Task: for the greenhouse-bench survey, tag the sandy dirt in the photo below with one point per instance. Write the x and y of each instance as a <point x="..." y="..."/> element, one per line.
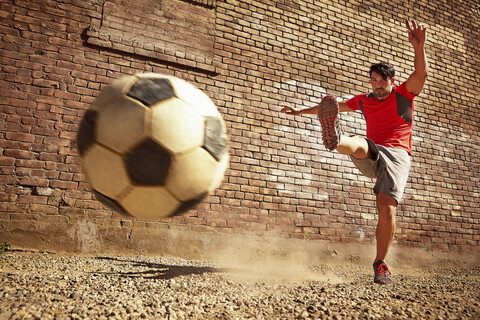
<point x="37" y="285"/>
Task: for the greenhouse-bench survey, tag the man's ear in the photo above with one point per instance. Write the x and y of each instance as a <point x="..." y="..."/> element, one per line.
<point x="393" y="80"/>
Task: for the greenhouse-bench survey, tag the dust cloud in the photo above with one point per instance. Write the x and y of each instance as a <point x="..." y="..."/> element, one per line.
<point x="271" y="260"/>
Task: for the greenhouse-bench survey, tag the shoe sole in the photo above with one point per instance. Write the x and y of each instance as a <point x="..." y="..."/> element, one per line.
<point x="328" y="116"/>
<point x="383" y="282"/>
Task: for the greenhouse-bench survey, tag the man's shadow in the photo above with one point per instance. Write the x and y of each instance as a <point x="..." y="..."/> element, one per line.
<point x="159" y="270"/>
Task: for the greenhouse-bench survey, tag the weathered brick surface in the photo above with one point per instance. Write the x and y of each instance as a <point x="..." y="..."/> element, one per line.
<point x="249" y="57"/>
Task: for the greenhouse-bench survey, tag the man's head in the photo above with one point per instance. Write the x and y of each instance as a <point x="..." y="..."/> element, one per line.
<point x="381" y="78"/>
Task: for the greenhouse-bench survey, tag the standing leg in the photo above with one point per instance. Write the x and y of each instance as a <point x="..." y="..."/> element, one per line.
<point x="387" y="207"/>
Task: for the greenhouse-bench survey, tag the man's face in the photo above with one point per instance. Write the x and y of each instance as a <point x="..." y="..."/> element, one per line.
<point x="381" y="88"/>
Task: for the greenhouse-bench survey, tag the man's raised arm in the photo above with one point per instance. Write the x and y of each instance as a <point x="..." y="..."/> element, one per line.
<point x="416" y="36"/>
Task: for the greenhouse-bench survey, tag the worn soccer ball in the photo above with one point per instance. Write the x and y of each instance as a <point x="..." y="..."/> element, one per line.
<point x="152" y="146"/>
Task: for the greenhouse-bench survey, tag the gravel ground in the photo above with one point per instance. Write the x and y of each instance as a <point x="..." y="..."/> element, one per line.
<point x="52" y="286"/>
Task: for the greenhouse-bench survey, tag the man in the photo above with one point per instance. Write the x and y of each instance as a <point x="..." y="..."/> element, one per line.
<point x="385" y="153"/>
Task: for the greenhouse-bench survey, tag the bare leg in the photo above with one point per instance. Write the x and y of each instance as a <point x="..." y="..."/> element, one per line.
<point x="387" y="207"/>
<point x="356" y="146"/>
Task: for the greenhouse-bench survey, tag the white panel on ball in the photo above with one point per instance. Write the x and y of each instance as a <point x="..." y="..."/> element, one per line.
<point x="195" y="98"/>
<point x="191" y="174"/>
<point x="122" y="124"/>
<point x="176" y="126"/>
<point x="106" y="171"/>
<point x="151" y="203"/>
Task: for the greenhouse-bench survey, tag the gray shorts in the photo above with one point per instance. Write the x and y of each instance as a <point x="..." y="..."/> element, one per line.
<point x="390" y="166"/>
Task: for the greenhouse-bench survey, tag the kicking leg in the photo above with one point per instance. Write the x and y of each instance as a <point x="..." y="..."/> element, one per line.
<point x="356" y="146"/>
<point x="332" y="134"/>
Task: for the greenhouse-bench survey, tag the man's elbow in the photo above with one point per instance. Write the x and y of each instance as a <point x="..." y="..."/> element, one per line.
<point x="422" y="73"/>
<point x="425" y="73"/>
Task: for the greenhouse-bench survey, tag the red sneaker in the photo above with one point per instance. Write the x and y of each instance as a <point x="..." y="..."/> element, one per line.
<point x="328" y="116"/>
<point x="382" y="274"/>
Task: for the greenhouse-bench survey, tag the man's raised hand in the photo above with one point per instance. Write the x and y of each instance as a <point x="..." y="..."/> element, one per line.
<point x="416" y="33"/>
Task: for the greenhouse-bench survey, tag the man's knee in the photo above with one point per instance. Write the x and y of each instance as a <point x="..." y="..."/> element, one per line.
<point x="386" y="204"/>
<point x="362" y="151"/>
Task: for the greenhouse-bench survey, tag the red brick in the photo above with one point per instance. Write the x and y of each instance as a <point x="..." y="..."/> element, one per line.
<point x="19" y="154"/>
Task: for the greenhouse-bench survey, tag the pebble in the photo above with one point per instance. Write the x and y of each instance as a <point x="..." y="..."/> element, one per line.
<point x="51" y="286"/>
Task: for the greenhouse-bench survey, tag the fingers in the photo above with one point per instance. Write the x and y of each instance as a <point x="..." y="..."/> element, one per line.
<point x="289" y="110"/>
<point x="415" y="26"/>
<point x="408" y="25"/>
<point x="412" y="27"/>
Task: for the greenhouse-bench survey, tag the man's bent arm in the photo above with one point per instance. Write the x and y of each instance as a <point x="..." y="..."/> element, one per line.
<point x="342" y="107"/>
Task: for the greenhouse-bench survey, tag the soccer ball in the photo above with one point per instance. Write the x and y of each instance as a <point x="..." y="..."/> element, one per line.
<point x="152" y="146"/>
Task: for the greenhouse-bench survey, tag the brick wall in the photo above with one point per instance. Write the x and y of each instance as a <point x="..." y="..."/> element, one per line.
<point x="249" y="57"/>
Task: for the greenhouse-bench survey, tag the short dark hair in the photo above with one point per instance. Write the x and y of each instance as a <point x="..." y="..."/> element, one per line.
<point x="384" y="69"/>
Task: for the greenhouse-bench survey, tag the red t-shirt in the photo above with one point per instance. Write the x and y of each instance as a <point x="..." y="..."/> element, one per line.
<point x="390" y="121"/>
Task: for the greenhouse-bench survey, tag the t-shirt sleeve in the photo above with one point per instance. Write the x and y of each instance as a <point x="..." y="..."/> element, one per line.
<point x="402" y="89"/>
<point x="354" y="102"/>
